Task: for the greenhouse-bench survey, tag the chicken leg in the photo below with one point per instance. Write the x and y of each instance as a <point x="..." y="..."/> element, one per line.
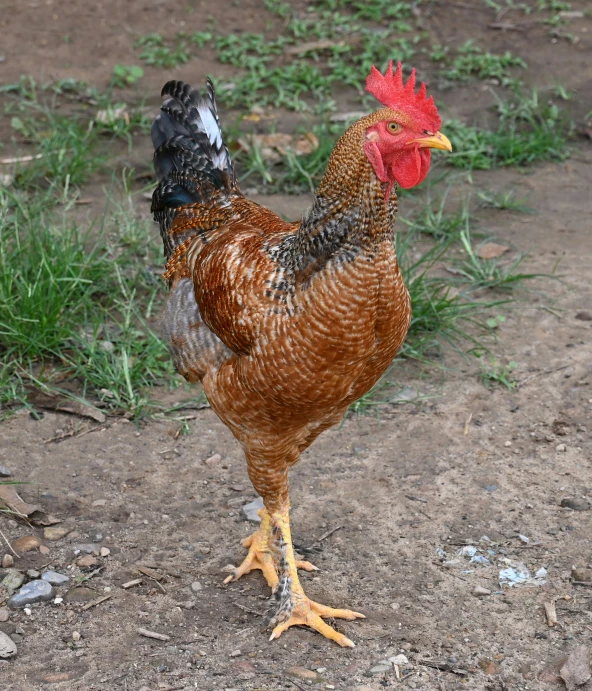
<point x="263" y="554"/>
<point x="292" y="606"/>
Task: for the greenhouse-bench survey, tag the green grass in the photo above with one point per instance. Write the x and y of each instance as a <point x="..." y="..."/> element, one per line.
<point x="528" y="130"/>
<point x="471" y="61"/>
<point x="496" y="373"/>
<point x="504" y="200"/>
<point x="157" y="52"/>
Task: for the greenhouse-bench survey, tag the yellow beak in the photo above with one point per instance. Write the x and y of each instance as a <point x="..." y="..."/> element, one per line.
<point x="433" y="141"/>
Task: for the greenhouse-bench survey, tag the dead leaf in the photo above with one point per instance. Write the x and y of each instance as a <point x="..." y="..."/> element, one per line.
<point x="108" y="117"/>
<point x="64" y="404"/>
<point x="491" y="250"/>
<point x="10" y="497"/>
<point x="576" y="671"/>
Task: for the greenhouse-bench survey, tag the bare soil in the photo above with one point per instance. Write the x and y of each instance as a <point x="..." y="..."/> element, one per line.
<point x="459" y="463"/>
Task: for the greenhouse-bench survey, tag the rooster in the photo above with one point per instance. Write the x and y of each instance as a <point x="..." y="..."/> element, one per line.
<point x="286" y="324"/>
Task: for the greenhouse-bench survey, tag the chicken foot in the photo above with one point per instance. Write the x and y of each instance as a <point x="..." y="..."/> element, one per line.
<point x="290" y="606"/>
<point x="263" y="554"/>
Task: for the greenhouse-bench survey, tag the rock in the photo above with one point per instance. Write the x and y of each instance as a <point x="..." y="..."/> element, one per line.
<point x="489" y="666"/>
<point x="88" y="548"/>
<point x="27" y="543"/>
<point x="561" y="447"/>
<point x="7" y="646"/>
<point x="301" y="673"/>
<point x="104" y="551"/>
<point x="583" y="316"/>
<point x="55" y="578"/>
<point x="32" y="574"/>
<point x="4" y="471"/>
<point x="399" y="660"/>
<point x="87" y="561"/>
<point x="250" y="510"/>
<point x="80" y="595"/>
<point x="35" y="591"/>
<point x="203" y="547"/>
<point x="480" y="591"/>
<point x="76" y="636"/>
<point x="238" y="488"/>
<point x="7" y="561"/>
<point x="575" y="504"/>
<point x="4" y="614"/>
<point x="12" y="580"/>
<point x="213" y="460"/>
<point x="196" y="586"/>
<point x="99" y="502"/>
<point x="581" y="574"/>
<point x="381" y="668"/>
<point x="44" y="550"/>
<point x="576" y="671"/>
<point x="55" y="532"/>
<point x="235" y="653"/>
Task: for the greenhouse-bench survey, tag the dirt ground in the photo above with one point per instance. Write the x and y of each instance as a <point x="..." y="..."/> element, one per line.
<point x="404" y="490"/>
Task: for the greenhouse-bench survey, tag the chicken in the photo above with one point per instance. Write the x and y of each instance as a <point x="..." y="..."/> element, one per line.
<point x="286" y="324"/>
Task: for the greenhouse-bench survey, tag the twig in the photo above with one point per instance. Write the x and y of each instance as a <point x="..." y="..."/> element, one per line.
<point x="20" y="159"/>
<point x="130" y="584"/>
<point x="246" y="609"/>
<point x="587" y="584"/>
<point x="98" y="601"/>
<point x="443" y="666"/>
<point x="73" y="434"/>
<point x="9" y="545"/>
<point x="550" y="613"/>
<point x="324" y="536"/>
<point x="541" y="374"/>
<point x="154" y="634"/>
<point x="295" y="684"/>
<point x="467" y="424"/>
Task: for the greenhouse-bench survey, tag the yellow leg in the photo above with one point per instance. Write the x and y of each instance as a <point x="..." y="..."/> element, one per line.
<point x="262" y="555"/>
<point x="293" y="607"/>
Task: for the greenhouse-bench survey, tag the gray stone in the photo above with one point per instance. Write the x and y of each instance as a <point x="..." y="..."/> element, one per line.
<point x="196" y="586"/>
<point x="4" y="471"/>
<point x="33" y="573"/>
<point x="89" y="548"/>
<point x="12" y="580"/>
<point x="575" y="504"/>
<point x="7" y="646"/>
<point x="250" y="510"/>
<point x="480" y="591"/>
<point x="381" y="668"/>
<point x="35" y="591"/>
<point x="55" y="578"/>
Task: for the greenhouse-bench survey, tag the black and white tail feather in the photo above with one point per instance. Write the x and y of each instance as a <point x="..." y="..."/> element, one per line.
<point x="191" y="160"/>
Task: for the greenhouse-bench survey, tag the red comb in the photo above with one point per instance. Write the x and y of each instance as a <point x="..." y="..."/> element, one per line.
<point x="390" y="90"/>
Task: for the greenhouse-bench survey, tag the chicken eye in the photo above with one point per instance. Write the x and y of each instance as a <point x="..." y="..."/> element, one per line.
<point x="393" y="127"/>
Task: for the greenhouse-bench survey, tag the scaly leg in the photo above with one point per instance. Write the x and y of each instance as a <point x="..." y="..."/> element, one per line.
<point x="263" y="554"/>
<point x="292" y="607"/>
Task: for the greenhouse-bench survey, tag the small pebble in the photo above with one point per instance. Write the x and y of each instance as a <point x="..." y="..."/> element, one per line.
<point x="581" y="574"/>
<point x="27" y="543"/>
<point x="575" y="504"/>
<point x="86" y="562"/>
<point x="7" y="561"/>
<point x="32" y="573"/>
<point x="35" y="591"/>
<point x="235" y="653"/>
<point x="250" y="510"/>
<point x="43" y="549"/>
<point x="104" y="551"/>
<point x="382" y="668"/>
<point x="13" y="579"/>
<point x="399" y="660"/>
<point x="55" y="532"/>
<point x="4" y="471"/>
<point x="561" y="447"/>
<point x="55" y="578"/>
<point x="89" y="548"/>
<point x="213" y="460"/>
<point x="508" y="443"/>
<point x="99" y="502"/>
<point x="58" y="601"/>
<point x="28" y="611"/>
<point x="196" y="586"/>
<point x="4" y="614"/>
<point x="76" y="635"/>
<point x="301" y="673"/>
<point x="480" y="591"/>
<point x="7" y="646"/>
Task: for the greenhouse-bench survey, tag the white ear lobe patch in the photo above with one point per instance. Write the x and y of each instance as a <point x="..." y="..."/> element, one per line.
<point x="372" y="136"/>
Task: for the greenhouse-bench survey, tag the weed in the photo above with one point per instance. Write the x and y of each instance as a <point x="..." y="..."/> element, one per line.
<point x="495" y="373"/>
<point x="126" y="75"/>
<point x="488" y="273"/>
<point x="471" y="61"/>
<point x="505" y="200"/>
<point x="156" y="52"/>
<point x="435" y="221"/>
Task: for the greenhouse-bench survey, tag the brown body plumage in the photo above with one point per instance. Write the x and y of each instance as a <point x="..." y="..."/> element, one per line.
<point x="285" y="324"/>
